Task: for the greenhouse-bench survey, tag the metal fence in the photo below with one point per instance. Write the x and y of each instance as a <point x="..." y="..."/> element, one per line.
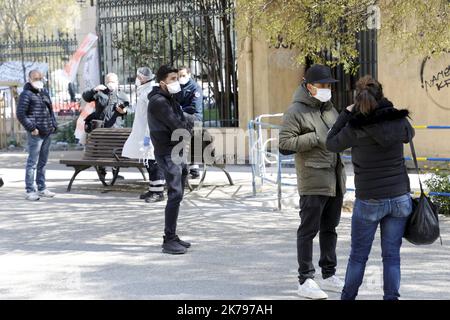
<point x="263" y="154"/>
<point x="199" y="34"/>
<point x="55" y="52"/>
<point x="368" y="64"/>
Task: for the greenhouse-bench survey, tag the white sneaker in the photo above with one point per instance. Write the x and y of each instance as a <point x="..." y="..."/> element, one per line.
<point x="47" y="193"/>
<point x="332" y="284"/>
<point x="311" y="290"/>
<point x="32" y="196"/>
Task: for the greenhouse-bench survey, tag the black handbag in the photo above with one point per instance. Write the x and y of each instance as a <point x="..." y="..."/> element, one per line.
<point x="423" y="223"/>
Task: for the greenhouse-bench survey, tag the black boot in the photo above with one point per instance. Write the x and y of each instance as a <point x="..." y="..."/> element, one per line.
<point x="155" y="197"/>
<point x="145" y="195"/>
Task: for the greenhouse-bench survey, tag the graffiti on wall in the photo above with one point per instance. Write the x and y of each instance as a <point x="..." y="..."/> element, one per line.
<point x="435" y="80"/>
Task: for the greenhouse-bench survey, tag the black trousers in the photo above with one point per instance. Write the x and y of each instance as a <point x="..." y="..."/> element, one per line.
<point x="175" y="175"/>
<point x="318" y="214"/>
<point x="156" y="177"/>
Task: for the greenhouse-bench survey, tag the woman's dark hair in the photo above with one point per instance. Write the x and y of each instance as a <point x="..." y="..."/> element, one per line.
<point x="163" y="71"/>
<point x="369" y="92"/>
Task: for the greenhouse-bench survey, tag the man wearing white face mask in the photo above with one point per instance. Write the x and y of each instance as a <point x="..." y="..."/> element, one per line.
<point x="110" y="103"/>
<point x="320" y="179"/>
<point x="111" y="106"/>
<point x="191" y="101"/>
<point x="165" y="116"/>
<point x="35" y="113"/>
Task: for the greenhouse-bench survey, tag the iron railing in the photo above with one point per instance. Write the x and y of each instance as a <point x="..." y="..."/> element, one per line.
<point x="199" y="34"/>
<point x="55" y="52"/>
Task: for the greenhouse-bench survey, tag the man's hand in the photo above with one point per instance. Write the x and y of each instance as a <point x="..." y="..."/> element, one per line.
<point x="351" y="107"/>
<point x="100" y="87"/>
<point x="35" y="132"/>
<point x="120" y="110"/>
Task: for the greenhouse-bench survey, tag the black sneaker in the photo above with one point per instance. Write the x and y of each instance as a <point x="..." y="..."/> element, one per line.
<point x="173" y="247"/>
<point x="155" y="197"/>
<point x="102" y="173"/>
<point x="119" y="177"/>
<point x="183" y="243"/>
<point x="145" y="195"/>
<point x="1" y="182"/>
<point x="194" y="174"/>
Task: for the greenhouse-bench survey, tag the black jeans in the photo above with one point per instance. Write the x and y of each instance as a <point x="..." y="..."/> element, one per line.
<point x="175" y="175"/>
<point x="318" y="214"/>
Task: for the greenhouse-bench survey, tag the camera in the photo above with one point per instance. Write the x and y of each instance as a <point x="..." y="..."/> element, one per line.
<point x="124" y="105"/>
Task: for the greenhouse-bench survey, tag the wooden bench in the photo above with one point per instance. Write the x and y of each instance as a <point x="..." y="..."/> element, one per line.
<point x="219" y="161"/>
<point x="203" y="176"/>
<point x="104" y="149"/>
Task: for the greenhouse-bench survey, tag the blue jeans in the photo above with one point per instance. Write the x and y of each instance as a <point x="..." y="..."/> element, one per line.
<point x="38" y="149"/>
<point x="392" y="215"/>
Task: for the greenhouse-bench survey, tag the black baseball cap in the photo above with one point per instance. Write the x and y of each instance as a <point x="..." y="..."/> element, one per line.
<point x="319" y="73"/>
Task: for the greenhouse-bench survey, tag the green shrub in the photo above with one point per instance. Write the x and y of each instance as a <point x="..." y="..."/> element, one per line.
<point x="66" y="133"/>
<point x="440" y="182"/>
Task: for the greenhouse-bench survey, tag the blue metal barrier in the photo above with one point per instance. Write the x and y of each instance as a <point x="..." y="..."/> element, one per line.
<point x="259" y="156"/>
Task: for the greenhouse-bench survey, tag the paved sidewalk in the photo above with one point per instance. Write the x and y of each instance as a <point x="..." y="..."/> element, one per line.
<point x="105" y="243"/>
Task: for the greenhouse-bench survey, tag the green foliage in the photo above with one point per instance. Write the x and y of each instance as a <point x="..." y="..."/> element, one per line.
<point x="314" y="27"/>
<point x="440" y="182"/>
<point x="31" y="17"/>
<point x="128" y="120"/>
<point x="134" y="46"/>
<point x="66" y="133"/>
<point x="13" y="142"/>
<point x="416" y="27"/>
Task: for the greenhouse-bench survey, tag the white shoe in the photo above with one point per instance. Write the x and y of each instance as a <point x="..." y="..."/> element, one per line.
<point x="311" y="290"/>
<point x="332" y="284"/>
<point x="32" y="196"/>
<point x="47" y="193"/>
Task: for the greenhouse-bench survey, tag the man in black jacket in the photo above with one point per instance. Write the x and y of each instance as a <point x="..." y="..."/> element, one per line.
<point x="110" y="103"/>
<point x="35" y="113"/>
<point x="165" y="119"/>
<point x="110" y="107"/>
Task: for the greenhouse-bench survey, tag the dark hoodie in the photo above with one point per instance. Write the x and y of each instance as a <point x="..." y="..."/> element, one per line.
<point x="35" y="111"/>
<point x="377" y="149"/>
<point x="164" y="117"/>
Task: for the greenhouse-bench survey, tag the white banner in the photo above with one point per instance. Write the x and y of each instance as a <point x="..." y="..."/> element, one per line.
<point x="90" y="79"/>
<point x="91" y="70"/>
<point x="11" y="72"/>
<point x="71" y="67"/>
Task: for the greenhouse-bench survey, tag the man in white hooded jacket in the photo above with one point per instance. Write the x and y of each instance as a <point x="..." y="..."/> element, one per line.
<point x="138" y="144"/>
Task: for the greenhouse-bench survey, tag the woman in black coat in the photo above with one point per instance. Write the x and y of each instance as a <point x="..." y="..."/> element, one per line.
<point x="376" y="132"/>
